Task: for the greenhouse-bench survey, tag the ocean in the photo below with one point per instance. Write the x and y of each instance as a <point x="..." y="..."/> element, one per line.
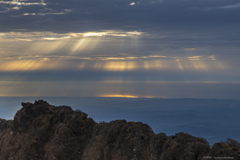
<point x="213" y="119"/>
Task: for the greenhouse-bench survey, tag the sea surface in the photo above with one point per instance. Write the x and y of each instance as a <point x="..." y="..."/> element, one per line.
<point x="213" y="119"/>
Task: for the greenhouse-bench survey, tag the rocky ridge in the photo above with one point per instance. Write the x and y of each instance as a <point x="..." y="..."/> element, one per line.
<point x="41" y="131"/>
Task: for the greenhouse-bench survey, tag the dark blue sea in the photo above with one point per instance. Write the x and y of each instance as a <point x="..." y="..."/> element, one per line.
<point x="213" y="119"/>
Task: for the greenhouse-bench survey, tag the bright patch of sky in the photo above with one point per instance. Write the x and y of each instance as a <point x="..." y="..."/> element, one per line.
<point x="133" y="3"/>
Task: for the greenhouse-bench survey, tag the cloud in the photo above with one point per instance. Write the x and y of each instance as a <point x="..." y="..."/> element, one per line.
<point x="20" y="3"/>
<point x="93" y="15"/>
<point x="230" y="6"/>
<point x="133" y="3"/>
<point x="120" y="40"/>
<point x="29" y="36"/>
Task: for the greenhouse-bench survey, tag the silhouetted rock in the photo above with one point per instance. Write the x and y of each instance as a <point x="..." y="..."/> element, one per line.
<point x="225" y="151"/>
<point x="41" y="131"/>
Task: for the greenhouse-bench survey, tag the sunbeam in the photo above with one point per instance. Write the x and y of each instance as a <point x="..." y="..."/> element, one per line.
<point x="79" y="45"/>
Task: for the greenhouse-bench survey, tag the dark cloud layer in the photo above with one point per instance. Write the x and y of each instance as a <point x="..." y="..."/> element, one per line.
<point x="135" y="76"/>
<point x="185" y="23"/>
<point x="94" y="15"/>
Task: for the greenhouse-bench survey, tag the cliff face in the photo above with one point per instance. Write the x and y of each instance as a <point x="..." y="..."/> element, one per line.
<point x="42" y="131"/>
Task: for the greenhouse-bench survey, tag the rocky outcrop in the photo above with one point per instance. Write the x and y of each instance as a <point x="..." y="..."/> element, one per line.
<point x="41" y="131"/>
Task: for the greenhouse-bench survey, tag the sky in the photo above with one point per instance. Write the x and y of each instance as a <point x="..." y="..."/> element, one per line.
<point x="120" y="48"/>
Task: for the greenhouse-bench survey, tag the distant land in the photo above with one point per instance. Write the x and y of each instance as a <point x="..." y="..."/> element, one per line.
<point x="213" y="119"/>
<point x="40" y="131"/>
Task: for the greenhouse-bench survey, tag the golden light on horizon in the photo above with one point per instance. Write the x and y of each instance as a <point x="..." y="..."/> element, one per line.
<point x="129" y="96"/>
<point x="20" y="65"/>
<point x="119" y="96"/>
<point x="50" y="51"/>
<point x="31" y="65"/>
<point x="120" y="66"/>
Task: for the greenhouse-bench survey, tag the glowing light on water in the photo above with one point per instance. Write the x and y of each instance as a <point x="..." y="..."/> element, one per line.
<point x="120" y="96"/>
